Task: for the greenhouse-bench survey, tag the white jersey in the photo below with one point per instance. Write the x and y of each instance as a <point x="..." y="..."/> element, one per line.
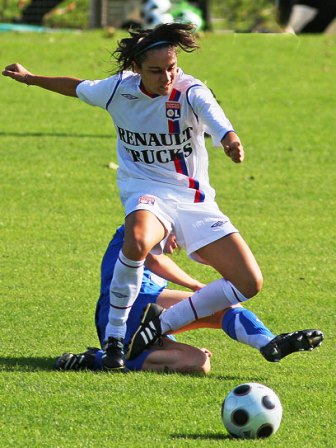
<point x="160" y="139"/>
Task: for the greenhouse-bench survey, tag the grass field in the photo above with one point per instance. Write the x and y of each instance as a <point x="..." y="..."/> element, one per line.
<point x="59" y="207"/>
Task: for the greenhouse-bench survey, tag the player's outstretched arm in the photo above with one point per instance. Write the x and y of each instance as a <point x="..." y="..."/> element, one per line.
<point x="60" y="84"/>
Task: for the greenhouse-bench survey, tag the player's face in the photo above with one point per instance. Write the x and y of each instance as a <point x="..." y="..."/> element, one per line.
<point x="158" y="71"/>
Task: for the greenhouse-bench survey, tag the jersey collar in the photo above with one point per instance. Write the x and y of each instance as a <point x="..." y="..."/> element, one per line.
<point x="144" y="91"/>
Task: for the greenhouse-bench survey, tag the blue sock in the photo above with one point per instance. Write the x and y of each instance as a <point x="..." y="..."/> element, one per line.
<point x="244" y="326"/>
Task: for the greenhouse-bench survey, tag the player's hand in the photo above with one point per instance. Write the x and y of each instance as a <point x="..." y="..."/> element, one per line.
<point x="198" y="285"/>
<point x="171" y="244"/>
<point x="235" y="151"/>
<point x="17" y="72"/>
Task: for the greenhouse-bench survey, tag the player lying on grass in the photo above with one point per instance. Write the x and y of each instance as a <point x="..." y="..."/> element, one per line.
<point x="170" y="356"/>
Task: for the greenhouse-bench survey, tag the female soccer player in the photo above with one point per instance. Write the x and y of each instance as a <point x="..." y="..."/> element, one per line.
<point x="160" y="115"/>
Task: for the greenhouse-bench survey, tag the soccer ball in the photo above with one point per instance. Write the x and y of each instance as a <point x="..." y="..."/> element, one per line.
<point x="155" y="18"/>
<point x="189" y="16"/>
<point x="184" y="12"/>
<point x="159" y="6"/>
<point x="251" y="411"/>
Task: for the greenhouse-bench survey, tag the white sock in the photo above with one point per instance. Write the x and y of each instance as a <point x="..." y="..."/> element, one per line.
<point x="213" y="297"/>
<point x="124" y="289"/>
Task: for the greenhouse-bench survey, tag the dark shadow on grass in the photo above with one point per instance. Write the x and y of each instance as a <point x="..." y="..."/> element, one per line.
<point x="52" y="134"/>
<point x="196" y="375"/>
<point x="29" y="364"/>
<point x="33" y="364"/>
<point x="216" y="436"/>
<point x="241" y="379"/>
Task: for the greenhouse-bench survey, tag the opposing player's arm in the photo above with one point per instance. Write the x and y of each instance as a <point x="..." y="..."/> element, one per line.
<point x="64" y="85"/>
<point x="166" y="268"/>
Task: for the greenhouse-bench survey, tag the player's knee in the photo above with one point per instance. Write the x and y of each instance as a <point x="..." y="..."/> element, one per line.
<point x="196" y="361"/>
<point x="136" y="247"/>
<point x="255" y="285"/>
<point x="252" y="285"/>
<point x="205" y="367"/>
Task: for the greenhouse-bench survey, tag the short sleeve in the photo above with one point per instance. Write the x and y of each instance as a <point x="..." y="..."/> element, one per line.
<point x="98" y="93"/>
<point x="209" y="112"/>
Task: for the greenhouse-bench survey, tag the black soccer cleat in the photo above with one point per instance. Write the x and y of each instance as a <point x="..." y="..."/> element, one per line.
<point x="114" y="357"/>
<point x="82" y="361"/>
<point x="148" y="332"/>
<point x="287" y="343"/>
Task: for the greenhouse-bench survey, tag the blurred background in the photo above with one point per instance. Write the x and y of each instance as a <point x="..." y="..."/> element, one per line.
<point x="277" y="16"/>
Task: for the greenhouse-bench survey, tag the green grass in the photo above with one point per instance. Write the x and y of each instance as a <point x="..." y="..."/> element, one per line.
<point x="59" y="207"/>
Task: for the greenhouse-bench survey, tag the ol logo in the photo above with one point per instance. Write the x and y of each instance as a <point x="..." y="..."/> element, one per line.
<point x="173" y="110"/>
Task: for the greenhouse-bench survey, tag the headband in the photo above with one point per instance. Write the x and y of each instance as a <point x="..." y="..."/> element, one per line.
<point x="153" y="45"/>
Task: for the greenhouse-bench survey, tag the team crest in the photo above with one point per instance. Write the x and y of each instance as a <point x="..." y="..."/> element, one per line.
<point x="173" y="110"/>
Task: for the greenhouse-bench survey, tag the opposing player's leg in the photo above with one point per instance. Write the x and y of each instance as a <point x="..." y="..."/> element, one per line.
<point x="143" y="231"/>
<point x="88" y="360"/>
<point x="172" y="356"/>
<point x="167" y="356"/>
<point x="238" y="323"/>
<point x="244" y="326"/>
<point x="244" y="273"/>
<point x="286" y="343"/>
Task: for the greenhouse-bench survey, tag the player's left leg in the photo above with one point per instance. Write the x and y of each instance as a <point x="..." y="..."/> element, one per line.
<point x="234" y="261"/>
<point x="242" y="279"/>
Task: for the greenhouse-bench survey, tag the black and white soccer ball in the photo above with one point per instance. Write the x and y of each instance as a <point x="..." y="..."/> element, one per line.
<point x="251" y="411"/>
<point x="190" y="16"/>
<point x="159" y="6"/>
<point x="155" y="18"/>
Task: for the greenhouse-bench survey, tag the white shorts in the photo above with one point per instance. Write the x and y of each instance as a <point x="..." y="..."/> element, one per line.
<point x="195" y="224"/>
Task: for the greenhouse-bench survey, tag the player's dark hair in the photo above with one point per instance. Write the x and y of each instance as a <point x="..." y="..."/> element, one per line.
<point x="134" y="48"/>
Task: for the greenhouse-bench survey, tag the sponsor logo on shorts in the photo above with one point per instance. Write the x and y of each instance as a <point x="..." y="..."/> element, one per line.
<point x="218" y="224"/>
<point x="149" y="200"/>
<point x="129" y="96"/>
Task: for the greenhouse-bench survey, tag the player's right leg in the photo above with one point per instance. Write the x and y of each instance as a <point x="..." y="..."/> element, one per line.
<point x="143" y="231"/>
